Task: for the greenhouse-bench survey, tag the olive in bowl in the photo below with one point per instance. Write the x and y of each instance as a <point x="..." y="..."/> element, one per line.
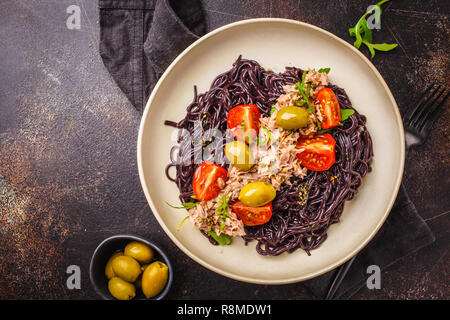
<point x="127" y="266"/>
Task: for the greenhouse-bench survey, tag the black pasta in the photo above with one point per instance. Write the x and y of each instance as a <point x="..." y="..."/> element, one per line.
<point x="304" y="209"/>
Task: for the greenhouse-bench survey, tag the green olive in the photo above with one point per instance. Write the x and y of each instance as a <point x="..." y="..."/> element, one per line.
<point x="292" y="118"/>
<point x="139" y="251"/>
<point x="120" y="289"/>
<point x="126" y="268"/>
<point x="109" y="272"/>
<point x="256" y="194"/>
<point x="154" y="278"/>
<point x="238" y="153"/>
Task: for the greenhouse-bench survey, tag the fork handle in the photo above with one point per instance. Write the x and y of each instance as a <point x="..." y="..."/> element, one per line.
<point x="338" y="278"/>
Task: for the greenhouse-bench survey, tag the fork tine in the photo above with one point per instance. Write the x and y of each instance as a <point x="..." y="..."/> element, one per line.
<point x="423" y="107"/>
<point x="432" y="116"/>
<point x="427" y="109"/>
<point x="413" y="110"/>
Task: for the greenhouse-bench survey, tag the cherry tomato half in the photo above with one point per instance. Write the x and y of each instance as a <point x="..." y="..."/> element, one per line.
<point x="243" y="122"/>
<point x="318" y="152"/>
<point x="329" y="108"/>
<point x="205" y="184"/>
<point x="252" y="216"/>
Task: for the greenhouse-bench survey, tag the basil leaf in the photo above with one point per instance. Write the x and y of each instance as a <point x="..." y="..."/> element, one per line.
<point x="326" y="70"/>
<point x="222" y="239"/>
<point x="346" y="113"/>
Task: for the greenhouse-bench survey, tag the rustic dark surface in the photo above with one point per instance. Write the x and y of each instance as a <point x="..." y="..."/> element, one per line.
<point x="68" y="174"/>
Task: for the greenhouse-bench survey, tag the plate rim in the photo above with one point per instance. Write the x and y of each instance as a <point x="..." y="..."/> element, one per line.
<point x="310" y="275"/>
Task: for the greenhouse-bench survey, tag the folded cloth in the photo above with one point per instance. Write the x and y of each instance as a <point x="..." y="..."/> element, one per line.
<point x="404" y="232"/>
<point x="139" y="39"/>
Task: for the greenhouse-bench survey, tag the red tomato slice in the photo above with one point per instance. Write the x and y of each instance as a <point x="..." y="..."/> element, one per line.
<point x="243" y="122"/>
<point x="252" y="216"/>
<point x="329" y="108"/>
<point x="205" y="182"/>
<point x="318" y="152"/>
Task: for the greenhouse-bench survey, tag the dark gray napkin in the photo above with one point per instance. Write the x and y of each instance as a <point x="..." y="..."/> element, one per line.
<point x="404" y="232"/>
<point x="139" y="39"/>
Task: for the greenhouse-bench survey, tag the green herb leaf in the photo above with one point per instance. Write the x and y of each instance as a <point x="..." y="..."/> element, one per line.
<point x="222" y="209"/>
<point x="323" y="131"/>
<point x="301" y="90"/>
<point x="222" y="206"/>
<point x="303" y="79"/>
<point x="308" y="89"/>
<point x="311" y="107"/>
<point x="186" y="205"/>
<point x="326" y="70"/>
<point x="181" y="223"/>
<point x="222" y="239"/>
<point x="352" y="32"/>
<point x="371" y="49"/>
<point x="384" y="46"/>
<point x="320" y="130"/>
<point x="346" y="113"/>
<point x="358" y="31"/>
<point x="379" y="47"/>
<point x="363" y="34"/>
<point x="367" y="33"/>
<point x="273" y="109"/>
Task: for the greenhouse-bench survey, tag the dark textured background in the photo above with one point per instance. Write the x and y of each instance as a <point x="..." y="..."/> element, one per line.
<point x="68" y="175"/>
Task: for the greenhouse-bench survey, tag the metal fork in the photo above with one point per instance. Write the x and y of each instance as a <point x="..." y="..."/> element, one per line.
<point x="417" y="123"/>
<point x="419" y="120"/>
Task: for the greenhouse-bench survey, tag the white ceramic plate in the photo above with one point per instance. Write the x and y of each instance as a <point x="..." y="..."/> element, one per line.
<point x="274" y="43"/>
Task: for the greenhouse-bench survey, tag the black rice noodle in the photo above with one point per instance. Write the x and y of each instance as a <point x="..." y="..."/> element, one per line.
<point x="304" y="209"/>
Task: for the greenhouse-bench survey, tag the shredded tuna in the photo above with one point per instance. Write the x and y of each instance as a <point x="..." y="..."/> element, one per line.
<point x="205" y="216"/>
<point x="318" y="113"/>
<point x="276" y="163"/>
<point x="318" y="80"/>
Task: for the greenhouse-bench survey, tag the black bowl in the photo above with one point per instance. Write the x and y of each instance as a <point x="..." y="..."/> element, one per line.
<point x="107" y="248"/>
